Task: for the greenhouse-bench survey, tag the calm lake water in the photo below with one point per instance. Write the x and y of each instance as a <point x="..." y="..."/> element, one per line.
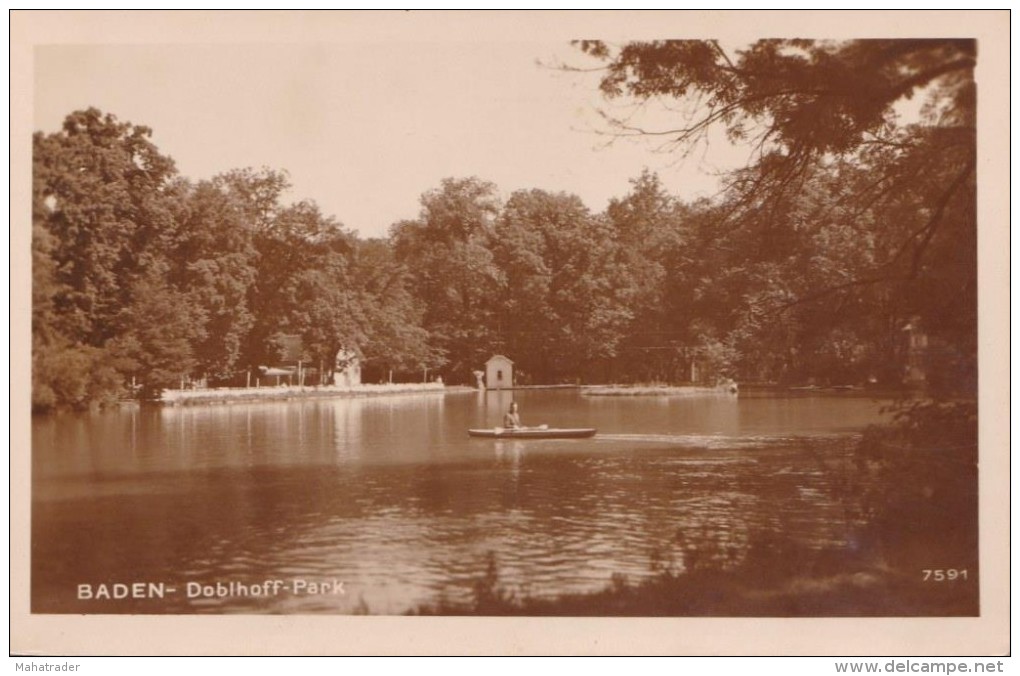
<point x="389" y="496"/>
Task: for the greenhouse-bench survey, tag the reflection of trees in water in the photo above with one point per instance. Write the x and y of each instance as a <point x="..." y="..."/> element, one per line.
<point x="822" y="528"/>
<point x="376" y="428"/>
<point x="493" y="404"/>
<point x="778" y="577"/>
<point x="347" y="416"/>
<point x="624" y="514"/>
<point x="510" y="452"/>
<point x="904" y="499"/>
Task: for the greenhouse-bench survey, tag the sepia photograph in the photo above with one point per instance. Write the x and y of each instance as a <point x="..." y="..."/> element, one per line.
<point x="521" y="315"/>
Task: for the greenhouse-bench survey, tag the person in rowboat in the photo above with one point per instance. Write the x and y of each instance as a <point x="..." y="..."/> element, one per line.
<point x="512" y="419"/>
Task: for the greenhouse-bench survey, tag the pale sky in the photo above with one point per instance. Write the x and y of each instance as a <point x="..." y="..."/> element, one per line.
<point x="364" y="129"/>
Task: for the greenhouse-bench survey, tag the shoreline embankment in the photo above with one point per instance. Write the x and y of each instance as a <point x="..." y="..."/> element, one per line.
<point x="228" y="395"/>
<point x="653" y="390"/>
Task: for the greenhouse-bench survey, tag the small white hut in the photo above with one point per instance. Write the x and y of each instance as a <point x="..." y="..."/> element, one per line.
<point x="499" y="372"/>
<point x="347" y="369"/>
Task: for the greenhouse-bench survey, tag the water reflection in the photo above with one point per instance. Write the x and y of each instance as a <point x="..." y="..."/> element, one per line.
<point x="390" y="495"/>
<point x="347" y="435"/>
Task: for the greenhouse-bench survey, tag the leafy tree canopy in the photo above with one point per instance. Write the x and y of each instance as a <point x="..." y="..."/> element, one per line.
<point x="802" y="97"/>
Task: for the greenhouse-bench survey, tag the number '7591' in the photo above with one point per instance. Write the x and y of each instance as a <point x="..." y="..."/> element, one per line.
<point x="944" y="574"/>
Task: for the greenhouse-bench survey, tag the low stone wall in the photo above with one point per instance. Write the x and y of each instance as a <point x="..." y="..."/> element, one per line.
<point x="285" y="392"/>
<point x="635" y="391"/>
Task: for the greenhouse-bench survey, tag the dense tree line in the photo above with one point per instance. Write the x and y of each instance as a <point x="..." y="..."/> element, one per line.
<point x="849" y="224"/>
<point x="845" y="230"/>
<point x="143" y="280"/>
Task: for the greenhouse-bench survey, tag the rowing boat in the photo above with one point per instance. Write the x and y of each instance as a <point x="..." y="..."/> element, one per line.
<point x="534" y="432"/>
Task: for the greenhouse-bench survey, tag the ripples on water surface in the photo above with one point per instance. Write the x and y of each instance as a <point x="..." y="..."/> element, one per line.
<point x="390" y="496"/>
